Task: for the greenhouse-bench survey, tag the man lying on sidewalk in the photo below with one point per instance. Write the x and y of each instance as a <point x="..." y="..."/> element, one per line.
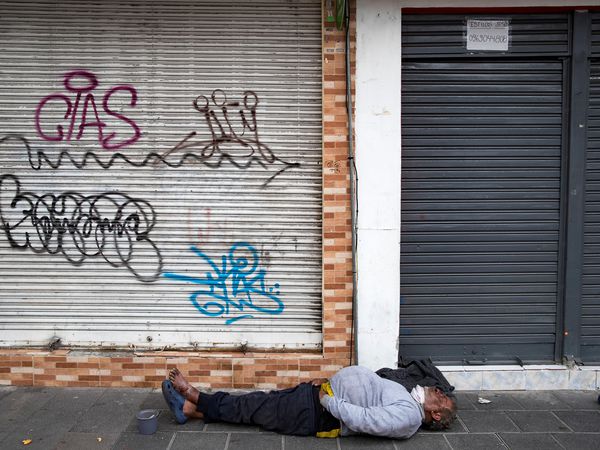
<point x="354" y="400"/>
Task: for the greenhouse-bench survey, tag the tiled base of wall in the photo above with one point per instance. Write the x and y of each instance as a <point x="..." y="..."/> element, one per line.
<point x="253" y="370"/>
<point x="530" y="378"/>
<point x="207" y="370"/>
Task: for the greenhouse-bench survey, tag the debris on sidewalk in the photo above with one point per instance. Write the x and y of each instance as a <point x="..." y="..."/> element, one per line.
<point x="483" y="401"/>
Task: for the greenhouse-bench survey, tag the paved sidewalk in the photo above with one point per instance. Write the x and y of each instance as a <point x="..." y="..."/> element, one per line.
<point x="88" y="419"/>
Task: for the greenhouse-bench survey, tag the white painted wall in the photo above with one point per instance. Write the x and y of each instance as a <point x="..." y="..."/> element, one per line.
<point x="378" y="164"/>
<point x="493" y="3"/>
<point x="378" y="160"/>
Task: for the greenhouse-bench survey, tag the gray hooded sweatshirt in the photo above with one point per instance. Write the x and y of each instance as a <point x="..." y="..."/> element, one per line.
<point x="367" y="403"/>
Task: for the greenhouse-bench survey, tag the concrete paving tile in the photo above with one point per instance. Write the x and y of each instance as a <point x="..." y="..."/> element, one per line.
<point x="231" y="427"/>
<point x="312" y="443"/>
<point x="166" y="422"/>
<point x="580" y="421"/>
<point x="73" y="400"/>
<point x="578" y="399"/>
<point x="14" y="441"/>
<point x="579" y="441"/>
<point x="422" y="442"/>
<point x="5" y="390"/>
<point x="66" y="406"/>
<point x="486" y="421"/>
<point x="537" y="421"/>
<point x="187" y="440"/>
<point x="49" y="424"/>
<point x="255" y="441"/>
<point x="154" y="400"/>
<point x="542" y="400"/>
<point x="365" y="443"/>
<point x="475" y="441"/>
<point x="499" y="401"/>
<point x="20" y="404"/>
<point x="464" y="401"/>
<point x="42" y="436"/>
<point x="112" y="412"/>
<point x="136" y="441"/>
<point x="78" y="441"/>
<point x="530" y="441"/>
<point x="456" y="427"/>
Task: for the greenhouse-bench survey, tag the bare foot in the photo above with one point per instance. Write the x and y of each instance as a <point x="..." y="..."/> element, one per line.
<point x="189" y="409"/>
<point x="182" y="386"/>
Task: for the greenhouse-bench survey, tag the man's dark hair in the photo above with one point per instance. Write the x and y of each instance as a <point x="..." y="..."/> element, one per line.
<point x="448" y="415"/>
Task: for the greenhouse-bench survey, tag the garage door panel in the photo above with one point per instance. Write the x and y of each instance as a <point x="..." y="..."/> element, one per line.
<point x="475" y="194"/>
<point x="590" y="302"/>
<point x="480" y="228"/>
<point x="225" y="174"/>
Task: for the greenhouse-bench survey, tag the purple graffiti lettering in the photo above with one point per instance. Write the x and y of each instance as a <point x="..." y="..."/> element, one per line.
<point x="89" y="76"/>
<point x="137" y="133"/>
<point x="232" y="125"/>
<point x="59" y="128"/>
<point x="81" y="82"/>
<point x="89" y="99"/>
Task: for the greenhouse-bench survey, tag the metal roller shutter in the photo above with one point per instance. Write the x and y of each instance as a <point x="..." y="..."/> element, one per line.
<point x="481" y="182"/>
<point x="480" y="209"/>
<point x="443" y="35"/>
<point x="180" y="203"/>
<point x="590" y="301"/>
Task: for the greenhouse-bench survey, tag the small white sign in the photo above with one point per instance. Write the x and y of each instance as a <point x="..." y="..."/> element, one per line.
<point x="487" y="35"/>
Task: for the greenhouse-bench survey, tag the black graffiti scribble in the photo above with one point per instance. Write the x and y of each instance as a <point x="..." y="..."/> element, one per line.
<point x="231" y="124"/>
<point x="233" y="128"/>
<point x="111" y="225"/>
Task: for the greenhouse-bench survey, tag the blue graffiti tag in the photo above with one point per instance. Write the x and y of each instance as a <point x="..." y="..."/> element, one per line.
<point x="236" y="283"/>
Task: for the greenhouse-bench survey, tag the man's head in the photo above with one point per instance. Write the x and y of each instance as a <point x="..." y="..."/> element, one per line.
<point x="440" y="410"/>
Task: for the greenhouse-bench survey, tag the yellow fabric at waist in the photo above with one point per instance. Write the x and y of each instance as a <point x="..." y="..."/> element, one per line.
<point x="326" y="387"/>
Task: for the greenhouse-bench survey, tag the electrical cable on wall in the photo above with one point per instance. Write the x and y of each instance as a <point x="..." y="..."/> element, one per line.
<point x="343" y="19"/>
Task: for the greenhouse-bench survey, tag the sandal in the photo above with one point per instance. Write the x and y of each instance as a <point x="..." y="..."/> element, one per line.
<point x="175" y="401"/>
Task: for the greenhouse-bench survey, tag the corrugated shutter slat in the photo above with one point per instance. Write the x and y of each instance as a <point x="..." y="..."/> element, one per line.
<point x="230" y="193"/>
<point x="480" y="210"/>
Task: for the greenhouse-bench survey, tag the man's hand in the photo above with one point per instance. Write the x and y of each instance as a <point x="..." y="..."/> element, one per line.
<point x="322" y="394"/>
<point x="318" y="381"/>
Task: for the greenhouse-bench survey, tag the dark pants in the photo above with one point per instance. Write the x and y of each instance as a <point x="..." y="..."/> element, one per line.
<point x="290" y="411"/>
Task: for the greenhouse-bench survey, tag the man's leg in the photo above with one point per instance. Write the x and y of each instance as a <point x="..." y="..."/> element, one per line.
<point x="189" y="392"/>
<point x="289" y="411"/>
<point x="183" y="387"/>
<point x="190" y="411"/>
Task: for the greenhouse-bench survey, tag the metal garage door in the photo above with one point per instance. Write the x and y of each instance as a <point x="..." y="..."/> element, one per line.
<point x="482" y="138"/>
<point x="590" y="289"/>
<point x="161" y="173"/>
<point x="590" y="301"/>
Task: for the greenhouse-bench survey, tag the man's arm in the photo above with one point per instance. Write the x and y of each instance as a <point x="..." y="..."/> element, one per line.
<point x="398" y="420"/>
